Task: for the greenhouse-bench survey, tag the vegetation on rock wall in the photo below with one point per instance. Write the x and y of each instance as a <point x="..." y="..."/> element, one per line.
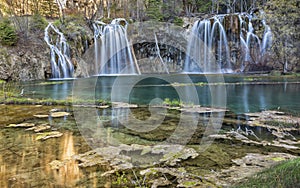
<point x="38" y="23"/>
<point x="8" y="35"/>
<point x="74" y="18"/>
<point x="284" y="19"/>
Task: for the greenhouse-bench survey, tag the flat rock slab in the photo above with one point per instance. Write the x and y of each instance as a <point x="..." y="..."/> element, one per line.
<point x="53" y="115"/>
<point x="47" y="135"/>
<point x="59" y="114"/>
<point x="39" y="128"/>
<point x="41" y="116"/>
<point x="21" y="125"/>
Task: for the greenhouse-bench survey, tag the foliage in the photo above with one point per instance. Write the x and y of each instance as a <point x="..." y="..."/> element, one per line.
<point x="178" y="21"/>
<point x="8" y="35"/>
<point x="38" y="23"/>
<point x="9" y="89"/>
<point x="121" y="179"/>
<point x="57" y="23"/>
<point x="153" y="11"/>
<point x="286" y="174"/>
<point x="172" y="103"/>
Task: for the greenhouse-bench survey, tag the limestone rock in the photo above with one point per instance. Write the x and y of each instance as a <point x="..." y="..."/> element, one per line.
<point x="47" y="135"/>
<point x="23" y="125"/>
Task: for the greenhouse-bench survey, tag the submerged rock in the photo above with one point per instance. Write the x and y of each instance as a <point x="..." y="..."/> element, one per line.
<point x="125" y="157"/>
<point x="47" y="135"/>
<point x="39" y="128"/>
<point x="55" y="165"/>
<point x="59" y="114"/>
<point x="41" y="116"/>
<point x="21" y="125"/>
<point x="160" y="182"/>
<point x="172" y="159"/>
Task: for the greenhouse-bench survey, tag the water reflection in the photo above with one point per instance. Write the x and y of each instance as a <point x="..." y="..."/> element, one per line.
<point x="24" y="162"/>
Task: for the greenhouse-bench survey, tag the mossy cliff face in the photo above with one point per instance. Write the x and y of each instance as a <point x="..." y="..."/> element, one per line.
<point x="29" y="58"/>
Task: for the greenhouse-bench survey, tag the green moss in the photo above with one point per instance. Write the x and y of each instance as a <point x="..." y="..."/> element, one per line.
<point x="49" y="101"/>
<point x="285" y="174"/>
<point x="178" y="21"/>
<point x="277" y="159"/>
<point x="190" y="183"/>
<point x="172" y="103"/>
<point x="51" y="83"/>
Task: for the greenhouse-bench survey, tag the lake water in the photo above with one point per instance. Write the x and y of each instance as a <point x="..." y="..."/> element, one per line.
<point x="237" y="93"/>
<point x="26" y="162"/>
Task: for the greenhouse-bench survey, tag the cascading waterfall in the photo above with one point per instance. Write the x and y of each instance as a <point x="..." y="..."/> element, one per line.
<point x="113" y="54"/>
<point x="254" y="47"/>
<point x="61" y="64"/>
<point x="207" y="49"/>
<point x="210" y="46"/>
<point x="267" y="39"/>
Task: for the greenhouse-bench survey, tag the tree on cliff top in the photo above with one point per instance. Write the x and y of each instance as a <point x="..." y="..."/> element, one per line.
<point x="8" y="35"/>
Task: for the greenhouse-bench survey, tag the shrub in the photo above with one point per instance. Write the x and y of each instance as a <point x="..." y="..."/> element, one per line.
<point x="178" y="21"/>
<point x="8" y="34"/>
<point x="38" y="23"/>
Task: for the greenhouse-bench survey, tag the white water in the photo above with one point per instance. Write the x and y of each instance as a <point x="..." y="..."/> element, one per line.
<point x="113" y="53"/>
<point x="61" y="64"/>
<point x="208" y="49"/>
<point x="254" y="46"/>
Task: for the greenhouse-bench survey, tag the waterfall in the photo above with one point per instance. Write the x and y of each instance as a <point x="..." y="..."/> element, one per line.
<point x="267" y="39"/>
<point x="61" y="64"/>
<point x="159" y="56"/>
<point x="113" y="54"/>
<point x="207" y="49"/>
<point x="253" y="45"/>
<point x="214" y="41"/>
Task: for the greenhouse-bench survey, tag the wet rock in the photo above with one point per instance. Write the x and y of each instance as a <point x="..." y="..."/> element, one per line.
<point x="202" y="110"/>
<point x="274" y="120"/>
<point x="247" y="166"/>
<point x="183" y="178"/>
<point x="55" y="165"/>
<point x="176" y="172"/>
<point x="41" y="116"/>
<point x="123" y="105"/>
<point x="47" y="135"/>
<point x="160" y="182"/>
<point x="59" y="114"/>
<point x="119" y="157"/>
<point x="172" y="159"/>
<point x="54" y="110"/>
<point x="21" y="125"/>
<point x="90" y="158"/>
<point x="190" y="183"/>
<point x="39" y="128"/>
